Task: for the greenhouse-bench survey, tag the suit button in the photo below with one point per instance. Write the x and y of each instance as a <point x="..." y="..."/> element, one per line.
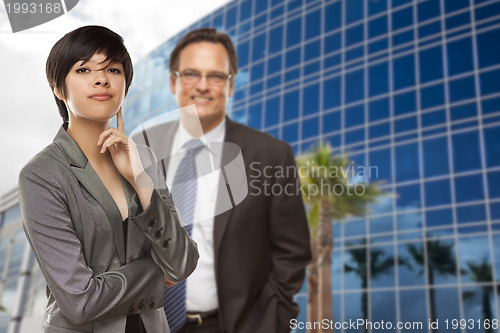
<point x="131" y="309"/>
<point x="165" y="243"/>
<point x="152" y="222"/>
<point x="141" y="305"/>
<point x="151" y="303"/>
<point x="158" y="233"/>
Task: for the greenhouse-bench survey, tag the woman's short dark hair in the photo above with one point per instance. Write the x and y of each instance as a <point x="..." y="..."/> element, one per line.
<point x="80" y="45"/>
<point x="205" y="35"/>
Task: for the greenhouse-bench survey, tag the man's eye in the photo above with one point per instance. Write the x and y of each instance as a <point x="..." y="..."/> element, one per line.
<point x="216" y="77"/>
<point x="190" y="74"/>
<point x="82" y="70"/>
<point x="115" y="71"/>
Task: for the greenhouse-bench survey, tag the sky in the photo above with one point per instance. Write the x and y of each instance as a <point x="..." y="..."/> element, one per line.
<point x="29" y="118"/>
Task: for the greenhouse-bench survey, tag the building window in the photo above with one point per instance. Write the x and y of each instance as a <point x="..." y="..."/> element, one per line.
<point x="291" y="106"/>
<point x="402" y="18"/>
<point x="408" y="198"/>
<point x="404" y="103"/>
<point x="469" y="188"/>
<point x="310" y="103"/>
<point x="293" y="32"/>
<point x="354" y="86"/>
<point x="404" y="72"/>
<point x="313" y="24"/>
<point x="11" y="215"/>
<point x="488" y="50"/>
<point x="432" y="96"/>
<point x="378" y="75"/>
<point x="428" y="10"/>
<point x="353" y="10"/>
<point x="332" y="16"/>
<point x="466" y="151"/>
<point x="490" y="82"/>
<point x="272" y="111"/>
<point x="460" y="56"/>
<point x="437" y="193"/>
<point x="407" y="162"/>
<point x="431" y="64"/>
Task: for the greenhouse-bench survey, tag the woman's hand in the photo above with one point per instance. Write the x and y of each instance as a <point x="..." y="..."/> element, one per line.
<point x="126" y="159"/>
<point x="122" y="149"/>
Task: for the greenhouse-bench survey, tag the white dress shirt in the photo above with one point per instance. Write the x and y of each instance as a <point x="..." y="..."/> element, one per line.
<point x="201" y="289"/>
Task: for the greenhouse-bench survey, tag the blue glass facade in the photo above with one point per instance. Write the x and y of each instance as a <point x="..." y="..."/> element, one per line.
<point x="409" y="87"/>
<point x="13" y="247"/>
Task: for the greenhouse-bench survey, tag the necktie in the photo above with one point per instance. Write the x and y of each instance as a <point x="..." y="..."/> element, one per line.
<point x="184" y="195"/>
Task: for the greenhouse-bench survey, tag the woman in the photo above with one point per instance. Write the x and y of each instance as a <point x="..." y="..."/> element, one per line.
<point x="104" y="231"/>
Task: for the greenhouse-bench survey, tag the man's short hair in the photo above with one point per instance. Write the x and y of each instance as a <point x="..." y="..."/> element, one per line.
<point x="205" y="35"/>
<point x="80" y="45"/>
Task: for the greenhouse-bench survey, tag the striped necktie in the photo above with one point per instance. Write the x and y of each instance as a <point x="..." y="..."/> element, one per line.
<point x="184" y="194"/>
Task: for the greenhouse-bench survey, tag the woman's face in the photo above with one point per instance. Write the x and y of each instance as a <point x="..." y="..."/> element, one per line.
<point x="94" y="90"/>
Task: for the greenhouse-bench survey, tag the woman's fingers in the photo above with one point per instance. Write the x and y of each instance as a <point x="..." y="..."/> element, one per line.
<point x="119" y="121"/>
<point x="105" y="134"/>
<point x="113" y="139"/>
<point x="123" y="151"/>
<point x="110" y="137"/>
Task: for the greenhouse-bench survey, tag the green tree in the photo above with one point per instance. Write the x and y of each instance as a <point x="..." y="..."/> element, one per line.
<point x="2" y="309"/>
<point x="440" y="261"/>
<point x="482" y="273"/>
<point x="331" y="190"/>
<point x="378" y="264"/>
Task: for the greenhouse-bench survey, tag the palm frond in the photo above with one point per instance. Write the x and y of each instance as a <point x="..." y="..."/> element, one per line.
<point x="326" y="176"/>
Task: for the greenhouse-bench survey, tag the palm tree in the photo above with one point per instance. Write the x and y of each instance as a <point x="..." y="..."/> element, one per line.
<point x="440" y="261"/>
<point x="328" y="190"/>
<point x="482" y="273"/>
<point x="312" y="269"/>
<point x="378" y="266"/>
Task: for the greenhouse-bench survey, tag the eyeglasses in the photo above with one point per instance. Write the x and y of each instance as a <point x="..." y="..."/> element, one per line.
<point x="192" y="77"/>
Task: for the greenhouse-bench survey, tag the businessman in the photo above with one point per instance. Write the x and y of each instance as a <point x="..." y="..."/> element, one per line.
<point x="252" y="256"/>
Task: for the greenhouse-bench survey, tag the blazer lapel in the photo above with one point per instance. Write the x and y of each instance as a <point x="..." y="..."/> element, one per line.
<point x="160" y="138"/>
<point x="221" y="221"/>
<point x="89" y="179"/>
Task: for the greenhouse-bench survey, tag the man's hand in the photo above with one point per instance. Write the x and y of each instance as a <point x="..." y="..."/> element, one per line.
<point x="168" y="283"/>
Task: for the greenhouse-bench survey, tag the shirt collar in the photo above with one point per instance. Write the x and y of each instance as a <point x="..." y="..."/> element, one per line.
<point x="216" y="134"/>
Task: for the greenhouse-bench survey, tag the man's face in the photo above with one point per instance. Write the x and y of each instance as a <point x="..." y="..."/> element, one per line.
<point x="209" y="97"/>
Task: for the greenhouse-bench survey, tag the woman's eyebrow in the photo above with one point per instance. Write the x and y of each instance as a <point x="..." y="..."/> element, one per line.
<point x="92" y="62"/>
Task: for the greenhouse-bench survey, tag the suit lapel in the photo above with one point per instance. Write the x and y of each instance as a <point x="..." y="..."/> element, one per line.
<point x="89" y="179"/>
<point x="221" y="221"/>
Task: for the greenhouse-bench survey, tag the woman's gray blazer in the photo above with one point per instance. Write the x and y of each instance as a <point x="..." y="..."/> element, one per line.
<point x="95" y="277"/>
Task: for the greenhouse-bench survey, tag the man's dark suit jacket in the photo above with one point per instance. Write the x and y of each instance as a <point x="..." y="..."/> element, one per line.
<point x="262" y="245"/>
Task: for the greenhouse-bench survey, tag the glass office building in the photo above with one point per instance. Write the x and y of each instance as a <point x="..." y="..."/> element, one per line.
<point x="22" y="287"/>
<point x="411" y="88"/>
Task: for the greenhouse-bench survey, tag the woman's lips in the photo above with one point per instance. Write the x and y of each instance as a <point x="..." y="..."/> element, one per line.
<point x="101" y="97"/>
